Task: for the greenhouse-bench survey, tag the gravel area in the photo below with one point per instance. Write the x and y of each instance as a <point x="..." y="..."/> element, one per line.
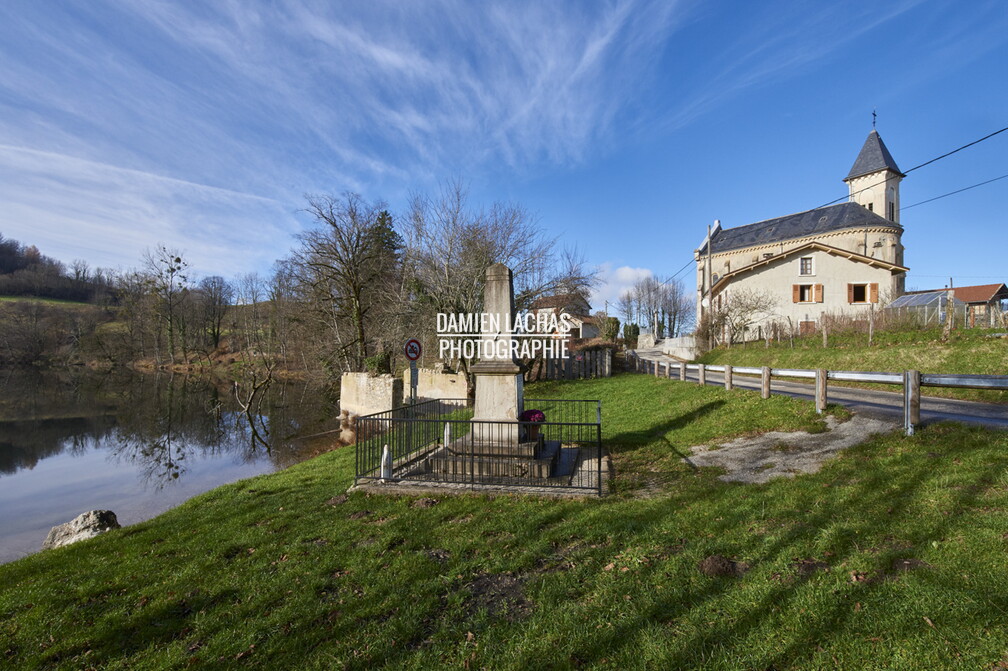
<point x="777" y="454"/>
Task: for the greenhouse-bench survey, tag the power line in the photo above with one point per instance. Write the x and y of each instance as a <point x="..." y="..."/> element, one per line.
<point x="916" y="167"/>
<point x="985" y="137"/>
<point x="688" y="264"/>
<point x="952" y="193"/>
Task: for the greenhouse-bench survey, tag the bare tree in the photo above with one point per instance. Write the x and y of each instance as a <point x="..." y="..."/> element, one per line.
<point x="349" y="263"/>
<point x="166" y="274"/>
<point x="450" y="244"/>
<point x="216" y="296"/>
<point x="734" y="313"/>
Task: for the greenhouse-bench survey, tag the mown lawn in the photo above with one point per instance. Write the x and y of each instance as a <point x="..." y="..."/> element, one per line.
<point x="891" y="557"/>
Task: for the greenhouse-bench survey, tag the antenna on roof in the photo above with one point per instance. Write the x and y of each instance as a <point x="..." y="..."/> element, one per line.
<point x="873" y="115"/>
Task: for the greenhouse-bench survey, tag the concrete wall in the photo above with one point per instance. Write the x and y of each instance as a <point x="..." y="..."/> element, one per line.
<point x="681" y="348"/>
<point x="645" y="341"/>
<point x="364" y="394"/>
<point x="435" y="383"/>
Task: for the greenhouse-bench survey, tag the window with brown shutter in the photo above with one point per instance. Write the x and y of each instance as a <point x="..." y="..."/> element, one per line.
<point x="818" y="293"/>
<point x="795" y="293"/>
<point x="859" y="293"/>
<point x="873" y="292"/>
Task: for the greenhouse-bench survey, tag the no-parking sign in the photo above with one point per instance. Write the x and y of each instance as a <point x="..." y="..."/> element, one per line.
<point x="413" y="349"/>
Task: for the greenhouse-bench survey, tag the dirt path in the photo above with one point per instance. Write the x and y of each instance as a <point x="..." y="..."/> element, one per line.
<point x="780" y="454"/>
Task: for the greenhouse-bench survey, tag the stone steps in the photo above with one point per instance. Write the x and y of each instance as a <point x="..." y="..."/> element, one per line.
<point x="521" y="461"/>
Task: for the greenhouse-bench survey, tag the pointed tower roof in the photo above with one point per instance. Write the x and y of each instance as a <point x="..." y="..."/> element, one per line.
<point x="873" y="157"/>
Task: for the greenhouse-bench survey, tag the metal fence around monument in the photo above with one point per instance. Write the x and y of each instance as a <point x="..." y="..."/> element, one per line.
<point x="439" y="443"/>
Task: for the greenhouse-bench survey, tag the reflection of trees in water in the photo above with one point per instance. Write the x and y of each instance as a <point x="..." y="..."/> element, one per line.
<point x="159" y="422"/>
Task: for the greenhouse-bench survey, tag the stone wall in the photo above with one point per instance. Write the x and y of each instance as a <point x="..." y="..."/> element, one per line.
<point x="680" y="348"/>
<point x="435" y="383"/>
<point x="364" y="394"/>
<point x="645" y="341"/>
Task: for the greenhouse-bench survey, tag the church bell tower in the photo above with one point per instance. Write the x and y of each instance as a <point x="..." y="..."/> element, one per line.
<point x="874" y="179"/>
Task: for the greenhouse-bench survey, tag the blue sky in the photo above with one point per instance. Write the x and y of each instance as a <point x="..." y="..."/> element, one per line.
<point x="625" y="127"/>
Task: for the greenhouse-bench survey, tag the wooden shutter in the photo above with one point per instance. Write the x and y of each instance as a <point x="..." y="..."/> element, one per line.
<point x="850" y="293"/>
<point x="818" y="293"/>
<point x="795" y="293"/>
<point x="873" y="292"/>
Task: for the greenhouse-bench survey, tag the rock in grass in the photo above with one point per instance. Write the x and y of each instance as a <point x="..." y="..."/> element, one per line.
<point x="88" y="525"/>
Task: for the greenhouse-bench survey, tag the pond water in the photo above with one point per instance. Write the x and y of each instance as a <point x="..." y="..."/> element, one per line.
<point x="136" y="444"/>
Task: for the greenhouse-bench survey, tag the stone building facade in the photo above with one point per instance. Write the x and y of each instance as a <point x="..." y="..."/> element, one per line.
<point x="839" y="259"/>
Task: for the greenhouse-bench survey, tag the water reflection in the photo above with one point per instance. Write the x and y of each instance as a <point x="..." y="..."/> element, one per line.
<point x="161" y="438"/>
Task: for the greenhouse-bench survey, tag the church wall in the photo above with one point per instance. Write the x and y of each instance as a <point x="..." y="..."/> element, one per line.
<point x="877" y="188"/>
<point x="832" y="272"/>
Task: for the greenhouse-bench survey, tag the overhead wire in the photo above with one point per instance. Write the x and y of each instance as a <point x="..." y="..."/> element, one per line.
<point x="952" y="193"/>
<point x="916" y="167"/>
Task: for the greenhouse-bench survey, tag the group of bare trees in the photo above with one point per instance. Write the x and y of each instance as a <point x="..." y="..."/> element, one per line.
<point x="664" y="306"/>
<point x="355" y="286"/>
<point x="369" y="280"/>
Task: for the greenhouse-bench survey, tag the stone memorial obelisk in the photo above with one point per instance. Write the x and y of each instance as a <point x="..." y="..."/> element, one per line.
<point x="499" y="391"/>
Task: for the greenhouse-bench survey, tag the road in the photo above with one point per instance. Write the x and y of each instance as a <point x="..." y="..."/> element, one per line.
<point x="868" y="402"/>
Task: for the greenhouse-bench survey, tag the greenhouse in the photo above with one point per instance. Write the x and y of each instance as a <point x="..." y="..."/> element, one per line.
<point x="929" y="307"/>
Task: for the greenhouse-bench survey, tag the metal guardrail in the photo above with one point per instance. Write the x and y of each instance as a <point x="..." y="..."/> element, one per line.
<point x="910" y="380"/>
<point x="439" y="443"/>
<point x="966" y="381"/>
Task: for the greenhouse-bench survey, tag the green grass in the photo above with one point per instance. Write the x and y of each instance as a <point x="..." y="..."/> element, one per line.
<point x="44" y="301"/>
<point x="967" y="351"/>
<point x="891" y="557"/>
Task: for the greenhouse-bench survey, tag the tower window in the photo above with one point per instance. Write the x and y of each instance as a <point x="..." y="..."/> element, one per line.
<point x="871" y="207"/>
<point x="892" y="211"/>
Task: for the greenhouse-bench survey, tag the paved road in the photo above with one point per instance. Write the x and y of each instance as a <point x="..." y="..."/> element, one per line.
<point x="869" y="402"/>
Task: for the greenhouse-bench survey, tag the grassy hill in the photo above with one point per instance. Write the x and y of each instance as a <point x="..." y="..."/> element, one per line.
<point x="970" y="351"/>
<point x="892" y="556"/>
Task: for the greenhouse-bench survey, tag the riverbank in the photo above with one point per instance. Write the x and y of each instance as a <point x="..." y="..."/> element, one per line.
<point x="891" y="555"/>
<point x="73" y="440"/>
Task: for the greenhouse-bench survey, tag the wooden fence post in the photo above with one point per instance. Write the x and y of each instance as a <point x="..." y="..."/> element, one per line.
<point x="657" y="368"/>
<point x="728" y="378"/>
<point x="668" y="370"/>
<point x="701" y="374"/>
<point x="765" y="382"/>
<point x="911" y="400"/>
<point x="820" y="390"/>
<point x="682" y="371"/>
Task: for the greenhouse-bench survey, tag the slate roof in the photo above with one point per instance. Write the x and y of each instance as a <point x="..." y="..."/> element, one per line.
<point x="873" y="157"/>
<point x="803" y="224"/>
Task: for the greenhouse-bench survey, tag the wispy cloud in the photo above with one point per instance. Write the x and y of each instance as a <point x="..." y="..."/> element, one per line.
<point x="109" y="215"/>
<point x="103" y="105"/>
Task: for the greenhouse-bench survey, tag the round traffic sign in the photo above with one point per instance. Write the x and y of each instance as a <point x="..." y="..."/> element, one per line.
<point x="413" y="349"/>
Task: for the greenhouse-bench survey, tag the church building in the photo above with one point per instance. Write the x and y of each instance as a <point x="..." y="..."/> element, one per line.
<point x="839" y="259"/>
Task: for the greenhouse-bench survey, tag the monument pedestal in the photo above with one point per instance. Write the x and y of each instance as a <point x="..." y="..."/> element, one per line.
<point x="499" y="394"/>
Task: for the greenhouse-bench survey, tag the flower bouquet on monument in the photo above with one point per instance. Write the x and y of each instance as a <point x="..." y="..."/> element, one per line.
<point x="533" y="418"/>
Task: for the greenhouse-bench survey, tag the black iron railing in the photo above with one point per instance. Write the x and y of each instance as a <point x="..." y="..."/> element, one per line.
<point x="439" y="442"/>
